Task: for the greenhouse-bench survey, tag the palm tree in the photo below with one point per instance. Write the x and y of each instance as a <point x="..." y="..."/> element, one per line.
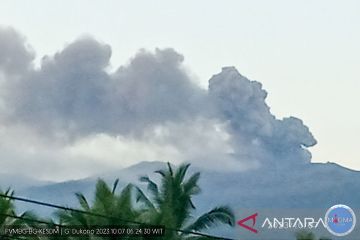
<point x="305" y="235"/>
<point x="7" y="209"/>
<point x="171" y="204"/>
<point x="119" y="209"/>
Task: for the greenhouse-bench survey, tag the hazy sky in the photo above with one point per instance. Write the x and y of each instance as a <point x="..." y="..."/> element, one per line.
<point x="305" y="53"/>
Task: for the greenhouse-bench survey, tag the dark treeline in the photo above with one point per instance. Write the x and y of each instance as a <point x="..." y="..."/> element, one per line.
<point x="168" y="204"/>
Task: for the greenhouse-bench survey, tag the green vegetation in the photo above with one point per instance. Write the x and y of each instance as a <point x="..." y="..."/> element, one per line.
<point x="107" y="203"/>
<point x="170" y="205"/>
<point x="305" y="235"/>
<point x="7" y="210"/>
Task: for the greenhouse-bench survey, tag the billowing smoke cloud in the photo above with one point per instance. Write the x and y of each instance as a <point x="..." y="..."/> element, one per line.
<point x="72" y="96"/>
<point x="15" y="55"/>
<point x="154" y="89"/>
<point x="257" y="135"/>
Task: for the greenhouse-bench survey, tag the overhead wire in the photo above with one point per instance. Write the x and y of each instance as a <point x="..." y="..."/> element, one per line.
<point x="51" y="205"/>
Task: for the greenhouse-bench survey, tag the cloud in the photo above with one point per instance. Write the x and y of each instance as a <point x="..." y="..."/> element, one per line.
<point x="256" y="134"/>
<point x="150" y="105"/>
<point x="72" y="95"/>
<point x="16" y="56"/>
<point x="154" y="88"/>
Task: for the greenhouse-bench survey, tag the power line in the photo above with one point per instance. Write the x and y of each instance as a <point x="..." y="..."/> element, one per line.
<point x="31" y="220"/>
<point x="41" y="203"/>
<point x="61" y="226"/>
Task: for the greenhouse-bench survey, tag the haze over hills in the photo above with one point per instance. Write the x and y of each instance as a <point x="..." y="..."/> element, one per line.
<point x="267" y="163"/>
<point x="314" y="187"/>
<point x="248" y="158"/>
<point x="19" y="182"/>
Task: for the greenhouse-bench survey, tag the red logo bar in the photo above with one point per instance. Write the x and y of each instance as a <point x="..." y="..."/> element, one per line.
<point x="253" y="217"/>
